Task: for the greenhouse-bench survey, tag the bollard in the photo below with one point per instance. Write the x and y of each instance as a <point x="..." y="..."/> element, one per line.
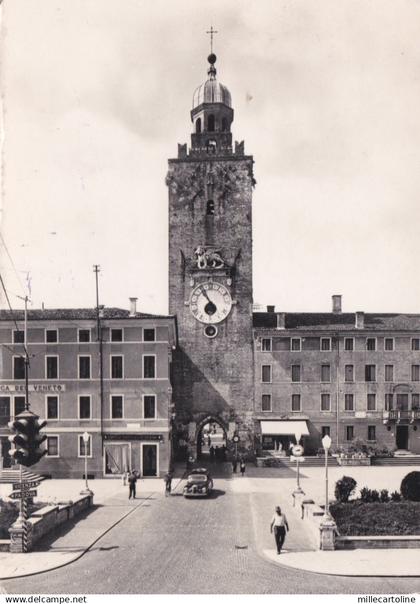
<point x="328" y="531"/>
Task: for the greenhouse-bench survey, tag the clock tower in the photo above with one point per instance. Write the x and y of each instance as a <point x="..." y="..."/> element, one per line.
<point x="210" y="270"/>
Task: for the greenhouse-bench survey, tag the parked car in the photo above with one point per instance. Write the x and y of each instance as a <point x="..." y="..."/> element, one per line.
<point x="199" y="483"/>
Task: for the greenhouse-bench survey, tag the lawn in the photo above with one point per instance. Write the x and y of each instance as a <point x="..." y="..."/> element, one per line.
<point x="393" y="518"/>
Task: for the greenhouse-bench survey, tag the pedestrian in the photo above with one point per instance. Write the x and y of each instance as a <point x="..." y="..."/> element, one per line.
<point x="208" y="440"/>
<point x="242" y="466"/>
<point x="168" y="483"/>
<point x="212" y="453"/>
<point x="279" y="524"/>
<point x="235" y="465"/>
<point x="132" y="479"/>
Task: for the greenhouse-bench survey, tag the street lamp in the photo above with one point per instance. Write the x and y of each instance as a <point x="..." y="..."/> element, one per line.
<point x="326" y="443"/>
<point x="299" y="490"/>
<point x="86" y="490"/>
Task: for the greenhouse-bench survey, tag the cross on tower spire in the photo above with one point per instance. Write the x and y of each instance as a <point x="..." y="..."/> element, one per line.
<point x="212" y="31"/>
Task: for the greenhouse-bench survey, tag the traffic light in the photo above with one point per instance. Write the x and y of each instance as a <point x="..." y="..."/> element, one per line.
<point x="27" y="438"/>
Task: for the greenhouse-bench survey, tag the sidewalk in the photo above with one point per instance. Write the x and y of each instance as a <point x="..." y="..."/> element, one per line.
<point x="74" y="539"/>
<point x="354" y="563"/>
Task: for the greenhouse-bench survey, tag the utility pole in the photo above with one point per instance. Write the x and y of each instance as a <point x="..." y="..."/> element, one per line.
<point x="97" y="270"/>
<point x="25" y="345"/>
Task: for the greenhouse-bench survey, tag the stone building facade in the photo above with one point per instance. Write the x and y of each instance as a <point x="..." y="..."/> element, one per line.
<point x="268" y="376"/>
<point x="126" y="412"/>
<point x="349" y="375"/>
<point x="210" y="269"/>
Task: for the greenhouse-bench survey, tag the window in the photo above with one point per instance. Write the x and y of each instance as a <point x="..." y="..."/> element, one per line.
<point x="266" y="345"/>
<point x="85" y="450"/>
<point x="84" y="407"/>
<point x="295" y="373"/>
<point x="325" y="373"/>
<point x="84" y="335"/>
<point x="326" y="344"/>
<point x="370" y="373"/>
<point x="389" y="373"/>
<point x="116" y="335"/>
<point x="198" y="125"/>
<point x="371" y="433"/>
<point x="52" y="407"/>
<point x="415" y="373"/>
<point x="18" y="368"/>
<point x="266" y="402"/>
<point x="52" y="446"/>
<point x="224" y="124"/>
<point x="117" y="411"/>
<point x="210" y="123"/>
<point x="84" y="368"/>
<point x="18" y="337"/>
<point x="266" y="373"/>
<point x="349" y="432"/>
<point x="349" y="373"/>
<point x="415" y="344"/>
<point x="296" y="402"/>
<point x="117" y="367"/>
<point x="149" y="335"/>
<point x="51" y="368"/>
<point x="415" y="401"/>
<point x="389" y="402"/>
<point x="389" y="344"/>
<point x="371" y="344"/>
<point x="149" y="406"/>
<point x="210" y="208"/>
<point x="295" y="344"/>
<point x="51" y="336"/>
<point x="325" y="431"/>
<point x="349" y="402"/>
<point x="325" y="402"/>
<point x="149" y="366"/>
<point x="348" y="344"/>
<point x="371" y="402"/>
<point x="19" y="404"/>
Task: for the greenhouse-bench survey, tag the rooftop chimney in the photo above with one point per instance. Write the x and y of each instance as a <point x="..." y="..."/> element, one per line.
<point x="271" y="308"/>
<point x="336" y="303"/>
<point x="360" y="320"/>
<point x="133" y="307"/>
<point x="281" y="320"/>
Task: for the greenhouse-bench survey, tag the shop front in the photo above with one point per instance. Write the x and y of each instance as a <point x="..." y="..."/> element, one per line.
<point x="147" y="454"/>
<point x="277" y="436"/>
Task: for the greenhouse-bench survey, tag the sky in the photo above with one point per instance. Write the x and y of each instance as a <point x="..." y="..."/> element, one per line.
<point x="96" y="95"/>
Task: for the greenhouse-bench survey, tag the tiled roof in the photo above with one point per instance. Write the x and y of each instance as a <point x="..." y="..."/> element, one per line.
<point x="58" y="314"/>
<point x="338" y="321"/>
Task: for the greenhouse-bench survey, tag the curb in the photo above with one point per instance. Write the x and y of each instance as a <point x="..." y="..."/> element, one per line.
<point x="333" y="573"/>
<point x="80" y="554"/>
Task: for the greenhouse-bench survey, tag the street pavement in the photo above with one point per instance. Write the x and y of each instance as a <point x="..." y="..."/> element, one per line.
<point x="216" y="545"/>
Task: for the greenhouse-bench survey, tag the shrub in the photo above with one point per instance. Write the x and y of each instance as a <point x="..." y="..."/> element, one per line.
<point x="396" y="496"/>
<point x="384" y="496"/>
<point x="357" y="518"/>
<point x="410" y="486"/>
<point x="370" y="496"/>
<point x="344" y="488"/>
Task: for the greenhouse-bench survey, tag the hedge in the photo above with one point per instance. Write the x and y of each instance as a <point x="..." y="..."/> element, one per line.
<point x="393" y="518"/>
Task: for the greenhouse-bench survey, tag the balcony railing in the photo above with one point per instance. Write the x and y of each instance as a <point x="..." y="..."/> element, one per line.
<point x="398" y="415"/>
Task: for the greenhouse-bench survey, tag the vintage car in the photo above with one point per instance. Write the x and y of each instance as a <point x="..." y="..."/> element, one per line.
<point x="199" y="483"/>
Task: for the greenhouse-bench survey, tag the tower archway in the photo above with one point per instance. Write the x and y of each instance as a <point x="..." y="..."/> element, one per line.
<point x="211" y="439"/>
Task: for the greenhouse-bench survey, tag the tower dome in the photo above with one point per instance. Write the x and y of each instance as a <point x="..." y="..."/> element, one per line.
<point x="211" y="91"/>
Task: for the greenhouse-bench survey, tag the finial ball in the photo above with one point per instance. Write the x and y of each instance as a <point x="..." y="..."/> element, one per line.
<point x="212" y="59"/>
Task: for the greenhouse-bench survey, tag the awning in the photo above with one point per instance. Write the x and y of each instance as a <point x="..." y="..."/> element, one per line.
<point x="284" y="427"/>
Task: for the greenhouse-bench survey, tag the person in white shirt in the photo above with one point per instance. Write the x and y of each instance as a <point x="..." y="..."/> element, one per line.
<point x="279" y="524"/>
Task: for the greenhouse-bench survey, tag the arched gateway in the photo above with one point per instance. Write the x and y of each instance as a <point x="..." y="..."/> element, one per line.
<point x="211" y="433"/>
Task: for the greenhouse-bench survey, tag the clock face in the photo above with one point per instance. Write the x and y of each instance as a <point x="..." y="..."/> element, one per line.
<point x="210" y="302"/>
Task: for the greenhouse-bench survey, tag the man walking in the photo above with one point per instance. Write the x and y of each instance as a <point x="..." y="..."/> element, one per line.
<point x="242" y="466"/>
<point x="168" y="483"/>
<point x="132" y="479"/>
<point x="279" y="524"/>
